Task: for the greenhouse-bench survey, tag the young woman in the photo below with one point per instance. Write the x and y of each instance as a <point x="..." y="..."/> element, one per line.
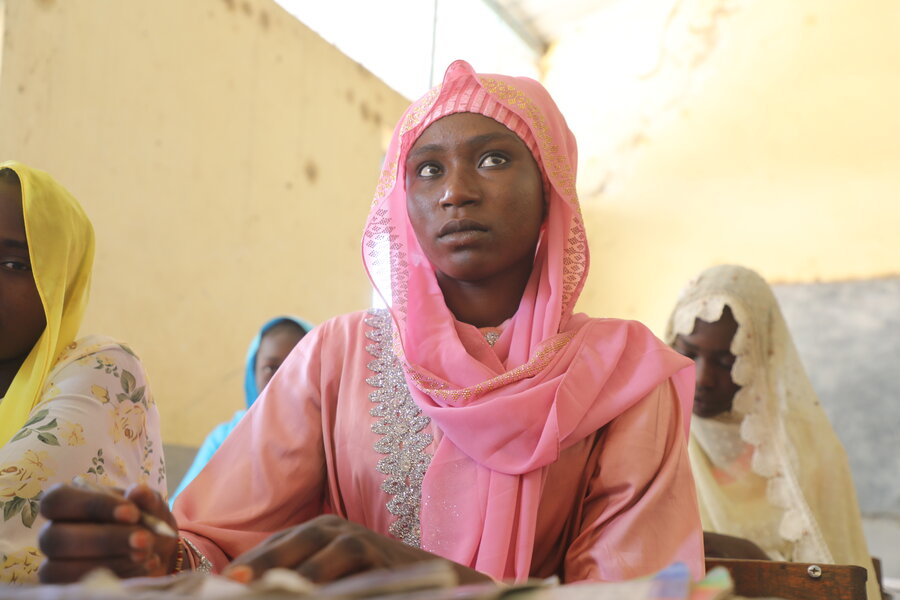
<point x="478" y="419"/>
<point x="268" y="349"/>
<point x="68" y="406"/>
<point x="769" y="467"/>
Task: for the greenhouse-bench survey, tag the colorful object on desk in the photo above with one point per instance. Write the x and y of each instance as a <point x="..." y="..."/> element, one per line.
<point x="672" y="583"/>
<point x="717" y="584"/>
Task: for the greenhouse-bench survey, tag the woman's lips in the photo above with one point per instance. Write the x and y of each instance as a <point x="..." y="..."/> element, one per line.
<point x="460" y="225"/>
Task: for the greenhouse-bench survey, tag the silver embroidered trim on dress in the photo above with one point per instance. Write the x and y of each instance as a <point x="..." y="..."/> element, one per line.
<point x="400" y="423"/>
<point x="491" y="337"/>
<point x="203" y="564"/>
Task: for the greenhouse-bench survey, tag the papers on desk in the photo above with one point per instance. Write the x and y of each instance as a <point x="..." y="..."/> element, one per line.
<point x="421" y="581"/>
<point x="672" y="583"/>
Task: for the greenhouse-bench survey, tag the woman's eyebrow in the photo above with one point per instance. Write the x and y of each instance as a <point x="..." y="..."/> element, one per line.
<point x="11" y="243"/>
<point x="478" y="140"/>
<point x="680" y="340"/>
<point x="426" y="149"/>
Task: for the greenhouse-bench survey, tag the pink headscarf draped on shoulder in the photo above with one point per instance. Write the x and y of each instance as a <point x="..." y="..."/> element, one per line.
<point x="551" y="379"/>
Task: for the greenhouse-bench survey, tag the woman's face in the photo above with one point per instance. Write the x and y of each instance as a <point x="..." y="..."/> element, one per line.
<point x="22" y="317"/>
<point x="274" y="348"/>
<point x="709" y="346"/>
<point x="474" y="198"/>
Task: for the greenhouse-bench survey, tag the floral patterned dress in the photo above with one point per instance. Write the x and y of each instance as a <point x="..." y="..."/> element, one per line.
<point x="97" y="419"/>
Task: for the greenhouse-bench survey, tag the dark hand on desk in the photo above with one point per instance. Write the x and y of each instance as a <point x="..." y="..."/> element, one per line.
<point x="329" y="548"/>
<point x="87" y="530"/>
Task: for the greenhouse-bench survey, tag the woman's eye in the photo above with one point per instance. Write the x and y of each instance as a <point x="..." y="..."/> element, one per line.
<point x="493" y="160"/>
<point x="683" y="351"/>
<point x="429" y="170"/>
<point x="15" y="265"/>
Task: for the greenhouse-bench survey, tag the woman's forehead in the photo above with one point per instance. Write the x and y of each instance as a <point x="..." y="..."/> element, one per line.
<point x="716" y="335"/>
<point x="12" y="218"/>
<point x="459" y="127"/>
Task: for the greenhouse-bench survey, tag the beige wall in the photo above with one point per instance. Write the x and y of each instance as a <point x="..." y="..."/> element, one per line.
<point x="227" y="156"/>
<point x="778" y="149"/>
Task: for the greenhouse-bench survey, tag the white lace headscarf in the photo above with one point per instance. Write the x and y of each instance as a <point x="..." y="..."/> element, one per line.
<point x="772" y="470"/>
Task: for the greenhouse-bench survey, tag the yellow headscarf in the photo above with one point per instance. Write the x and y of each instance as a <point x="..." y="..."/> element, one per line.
<point x="61" y="248"/>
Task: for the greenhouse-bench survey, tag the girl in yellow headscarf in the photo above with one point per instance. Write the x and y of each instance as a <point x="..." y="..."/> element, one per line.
<point x="68" y="407"/>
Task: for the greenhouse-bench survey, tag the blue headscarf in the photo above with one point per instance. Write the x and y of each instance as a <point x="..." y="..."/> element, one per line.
<point x="221" y="431"/>
<point x="250" y="390"/>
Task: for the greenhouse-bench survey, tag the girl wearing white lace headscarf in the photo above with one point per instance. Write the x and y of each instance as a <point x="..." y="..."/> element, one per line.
<point x="767" y="464"/>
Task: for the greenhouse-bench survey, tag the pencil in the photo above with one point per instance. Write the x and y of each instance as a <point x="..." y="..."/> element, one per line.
<point x="154" y="524"/>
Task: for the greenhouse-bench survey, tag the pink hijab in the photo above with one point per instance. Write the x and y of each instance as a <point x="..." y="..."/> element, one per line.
<point x="552" y="378"/>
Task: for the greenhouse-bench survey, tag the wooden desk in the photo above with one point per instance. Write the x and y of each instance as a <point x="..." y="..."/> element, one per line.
<point x="794" y="581"/>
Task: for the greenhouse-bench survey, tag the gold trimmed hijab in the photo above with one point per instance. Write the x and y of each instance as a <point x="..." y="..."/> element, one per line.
<point x="771" y="470"/>
<point x="61" y="249"/>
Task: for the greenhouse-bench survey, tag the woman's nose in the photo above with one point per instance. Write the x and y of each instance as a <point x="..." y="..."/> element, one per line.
<point x="705" y="376"/>
<point x="460" y="189"/>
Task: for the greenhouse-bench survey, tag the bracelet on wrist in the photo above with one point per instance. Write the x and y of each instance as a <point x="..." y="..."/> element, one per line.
<point x="179" y="558"/>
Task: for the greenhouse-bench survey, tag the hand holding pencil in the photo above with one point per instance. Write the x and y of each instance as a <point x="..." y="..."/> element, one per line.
<point x="154" y="524"/>
<point x="131" y="533"/>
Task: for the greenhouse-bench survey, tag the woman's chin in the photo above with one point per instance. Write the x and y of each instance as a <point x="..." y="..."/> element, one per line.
<point x="708" y="411"/>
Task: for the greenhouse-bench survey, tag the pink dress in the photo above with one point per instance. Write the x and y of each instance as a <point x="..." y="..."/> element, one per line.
<point x="336" y="431"/>
<point x="554" y="446"/>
